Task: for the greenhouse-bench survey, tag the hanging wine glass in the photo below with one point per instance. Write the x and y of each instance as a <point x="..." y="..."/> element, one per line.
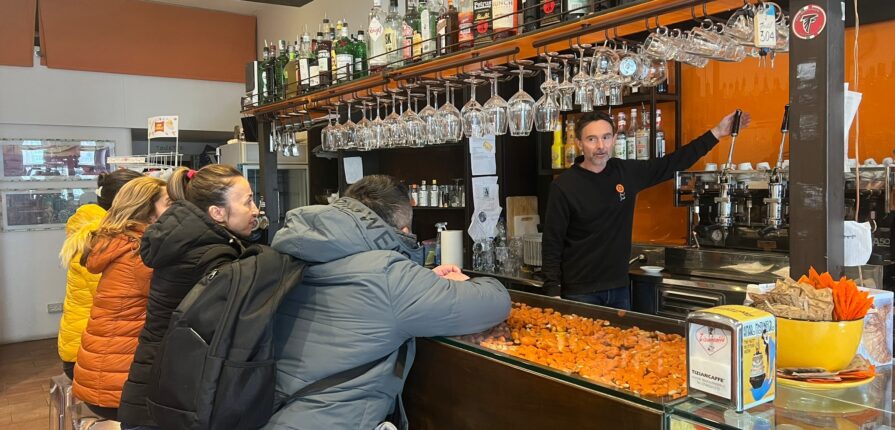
<point x="451" y="117"/>
<point x="326" y="135"/>
<point x="349" y="127"/>
<point x="429" y="117"/>
<point x="338" y="132"/>
<point x="364" y="129"/>
<point x="496" y="107"/>
<point x="566" y="88"/>
<point x="520" y="108"/>
<point x="380" y="130"/>
<point x="546" y="109"/>
<point x="581" y="81"/>
<point x="473" y="115"/>
<point x="396" y="133"/>
<point x="438" y="122"/>
<point x="414" y="126"/>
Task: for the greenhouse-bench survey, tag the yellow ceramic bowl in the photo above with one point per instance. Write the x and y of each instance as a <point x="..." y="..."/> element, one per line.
<point x="828" y="344"/>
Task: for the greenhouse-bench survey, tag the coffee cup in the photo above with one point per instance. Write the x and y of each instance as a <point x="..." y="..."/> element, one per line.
<point x="744" y="166"/>
<point x="764" y="165"/>
<point x="711" y="167"/>
<point x="887" y="161"/>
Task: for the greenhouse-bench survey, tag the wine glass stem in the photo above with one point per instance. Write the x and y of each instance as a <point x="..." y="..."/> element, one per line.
<point x="521" y="73"/>
<point x="493" y="87"/>
<point x="428" y="96"/>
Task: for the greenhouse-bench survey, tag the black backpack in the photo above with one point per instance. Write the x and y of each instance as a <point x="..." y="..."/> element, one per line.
<point x="216" y="367"/>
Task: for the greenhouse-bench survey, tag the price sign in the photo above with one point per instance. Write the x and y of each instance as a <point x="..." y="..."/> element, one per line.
<point x="765" y="31"/>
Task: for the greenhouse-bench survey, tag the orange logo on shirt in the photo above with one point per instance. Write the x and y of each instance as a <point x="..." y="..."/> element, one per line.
<point x="620" y="188"/>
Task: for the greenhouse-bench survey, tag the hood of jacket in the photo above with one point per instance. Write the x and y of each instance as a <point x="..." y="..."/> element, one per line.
<point x="109" y="249"/>
<point x="181" y="228"/>
<point x="88" y="215"/>
<point x="320" y="234"/>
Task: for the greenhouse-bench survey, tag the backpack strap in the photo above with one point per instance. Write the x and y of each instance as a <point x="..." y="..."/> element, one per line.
<point x="347" y="375"/>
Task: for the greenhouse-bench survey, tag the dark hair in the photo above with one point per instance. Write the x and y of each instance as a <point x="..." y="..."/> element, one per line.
<point x="590" y="117"/>
<point x="386" y="196"/>
<point x="205" y="187"/>
<point x="111" y="183"/>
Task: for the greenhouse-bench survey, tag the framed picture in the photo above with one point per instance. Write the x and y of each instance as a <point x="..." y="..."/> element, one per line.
<point x="46" y="209"/>
<point x="53" y="159"/>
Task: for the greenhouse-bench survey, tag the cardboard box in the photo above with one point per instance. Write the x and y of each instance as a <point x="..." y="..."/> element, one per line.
<point x="876" y="343"/>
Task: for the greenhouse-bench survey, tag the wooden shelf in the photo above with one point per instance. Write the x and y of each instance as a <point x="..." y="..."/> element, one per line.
<point x="624" y="21"/>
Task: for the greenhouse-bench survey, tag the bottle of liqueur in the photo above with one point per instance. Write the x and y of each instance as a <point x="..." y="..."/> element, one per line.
<point x="292" y="71"/>
<point x="643" y="146"/>
<point x="620" y="150"/>
<point x="632" y="136"/>
<point x="272" y="68"/>
<point x="282" y="60"/>
<point x="304" y="63"/>
<point x="324" y="47"/>
<point x="394" y="30"/>
<point x="483" y="24"/>
<point x="376" y="38"/>
<point x="575" y="9"/>
<point x="466" y="16"/>
<point x="360" y="56"/>
<point x="556" y="149"/>
<point x="429" y="13"/>
<point x="262" y="74"/>
<point x="549" y="12"/>
<point x="530" y="14"/>
<point x="570" y="148"/>
<point x="344" y="48"/>
<point x="410" y="30"/>
<point x="448" y="28"/>
<point x="660" y="135"/>
<point x="505" y="14"/>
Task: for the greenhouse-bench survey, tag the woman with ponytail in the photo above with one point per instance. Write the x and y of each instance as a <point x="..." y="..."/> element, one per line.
<point x="81" y="284"/>
<point x="213" y="213"/>
<point x="119" y="307"/>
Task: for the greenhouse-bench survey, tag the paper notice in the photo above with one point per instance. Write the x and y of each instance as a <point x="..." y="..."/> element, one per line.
<point x="482" y="152"/>
<point x="852" y="102"/>
<point x="354" y="169"/>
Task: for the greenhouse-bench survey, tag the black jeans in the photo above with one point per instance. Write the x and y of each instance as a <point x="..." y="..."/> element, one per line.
<point x="619" y="298"/>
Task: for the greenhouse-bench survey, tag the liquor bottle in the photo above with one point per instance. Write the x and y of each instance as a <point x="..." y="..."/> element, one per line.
<point x="263" y="78"/>
<point x="504" y="13"/>
<point x="434" y="194"/>
<point x="448" y="29"/>
<point x="293" y="71"/>
<point x="376" y="38"/>
<point x="411" y="33"/>
<point x="282" y="60"/>
<point x="660" y="135"/>
<point x="466" y="17"/>
<point x="549" y="12"/>
<point x="424" y="195"/>
<point x="662" y="88"/>
<point x="429" y="13"/>
<point x="556" y="149"/>
<point x="620" y="150"/>
<point x="632" y="136"/>
<point x="272" y="72"/>
<point x="344" y="56"/>
<point x="643" y="146"/>
<point x="394" y="30"/>
<point x="360" y="56"/>
<point x="570" y="149"/>
<point x="332" y="52"/>
<point x="575" y="9"/>
<point x="482" y="22"/>
<point x="304" y="62"/>
<point x="324" y="47"/>
<point x="530" y="14"/>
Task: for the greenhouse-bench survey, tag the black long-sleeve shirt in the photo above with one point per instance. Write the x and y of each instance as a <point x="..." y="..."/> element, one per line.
<point x="587" y="229"/>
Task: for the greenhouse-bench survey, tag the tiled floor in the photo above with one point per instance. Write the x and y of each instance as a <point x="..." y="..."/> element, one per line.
<point x="25" y="371"/>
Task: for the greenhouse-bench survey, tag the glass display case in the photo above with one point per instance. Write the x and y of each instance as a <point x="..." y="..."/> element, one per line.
<point x="42" y="209"/>
<point x="53" y="159"/>
<point x="614" y="317"/>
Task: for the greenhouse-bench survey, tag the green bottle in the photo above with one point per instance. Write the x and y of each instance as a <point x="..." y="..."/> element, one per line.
<point x="281" y="61"/>
<point x="360" y="55"/>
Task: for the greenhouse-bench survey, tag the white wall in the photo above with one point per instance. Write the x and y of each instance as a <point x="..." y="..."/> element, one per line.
<point x="38" y="103"/>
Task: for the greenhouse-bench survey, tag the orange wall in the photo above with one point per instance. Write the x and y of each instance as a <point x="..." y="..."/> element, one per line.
<point x="710" y="93"/>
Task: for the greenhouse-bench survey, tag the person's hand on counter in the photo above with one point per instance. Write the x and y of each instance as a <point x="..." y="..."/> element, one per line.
<point x="450" y="272"/>
<point x="723" y="128"/>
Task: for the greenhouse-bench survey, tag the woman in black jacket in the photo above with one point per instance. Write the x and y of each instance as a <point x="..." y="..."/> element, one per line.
<point x="212" y="213"/>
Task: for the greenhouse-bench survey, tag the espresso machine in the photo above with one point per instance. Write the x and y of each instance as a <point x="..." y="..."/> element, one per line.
<point x="737" y="209"/>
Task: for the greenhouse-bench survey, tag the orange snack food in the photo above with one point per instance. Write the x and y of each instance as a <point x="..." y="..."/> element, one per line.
<point x="648" y="363"/>
<point x="849" y="303"/>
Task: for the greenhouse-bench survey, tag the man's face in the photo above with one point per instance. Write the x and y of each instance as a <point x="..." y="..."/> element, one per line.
<point x="597" y="140"/>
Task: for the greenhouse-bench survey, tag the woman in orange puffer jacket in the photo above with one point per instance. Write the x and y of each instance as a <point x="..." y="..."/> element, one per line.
<point x="119" y="307"/>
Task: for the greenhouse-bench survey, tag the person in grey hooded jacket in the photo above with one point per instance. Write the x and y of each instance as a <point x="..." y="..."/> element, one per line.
<point x="365" y="294"/>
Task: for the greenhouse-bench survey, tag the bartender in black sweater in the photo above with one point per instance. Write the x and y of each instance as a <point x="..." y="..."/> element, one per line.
<point x="590" y="211"/>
